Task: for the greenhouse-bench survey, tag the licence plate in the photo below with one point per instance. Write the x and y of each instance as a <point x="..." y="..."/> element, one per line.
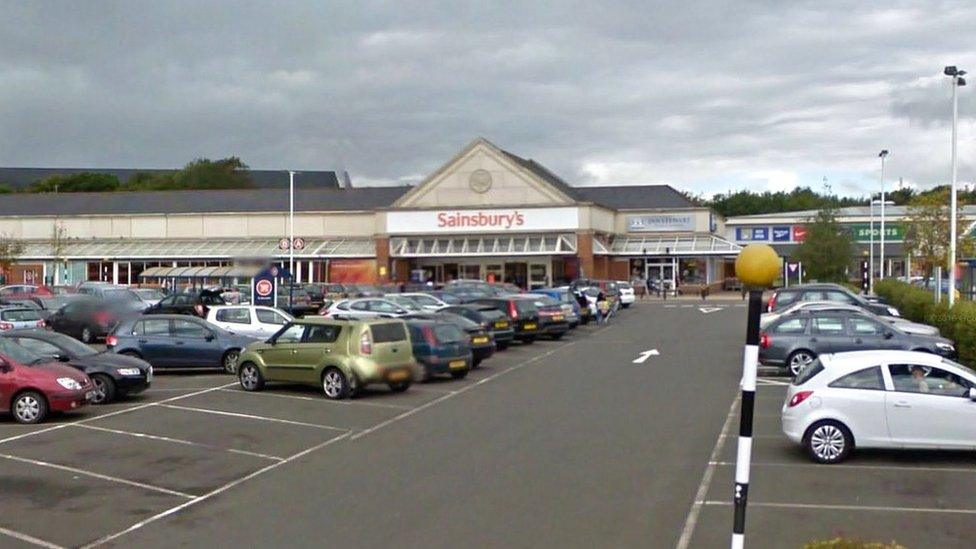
<point x="558" y="318"/>
<point x="531" y="326"/>
<point x="501" y="324"/>
<point x="457" y="364"/>
<point x="479" y="340"/>
<point x="399" y="375"/>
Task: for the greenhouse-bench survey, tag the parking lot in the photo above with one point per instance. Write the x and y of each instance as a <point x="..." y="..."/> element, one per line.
<point x="561" y="443"/>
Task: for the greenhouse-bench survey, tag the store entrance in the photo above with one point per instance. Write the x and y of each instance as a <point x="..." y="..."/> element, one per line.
<point x="524" y="273"/>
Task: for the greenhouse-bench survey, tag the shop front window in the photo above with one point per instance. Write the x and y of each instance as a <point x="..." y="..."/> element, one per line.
<point x="691" y="271"/>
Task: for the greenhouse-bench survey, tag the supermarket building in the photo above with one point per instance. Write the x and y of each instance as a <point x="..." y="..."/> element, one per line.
<point x="485" y="214"/>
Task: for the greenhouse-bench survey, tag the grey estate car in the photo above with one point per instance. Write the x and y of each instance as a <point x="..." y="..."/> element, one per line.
<point x="795" y="340"/>
<point x="785" y="297"/>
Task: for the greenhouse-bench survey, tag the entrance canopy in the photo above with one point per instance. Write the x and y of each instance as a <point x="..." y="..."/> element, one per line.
<point x="702" y="244"/>
<point x="201" y="272"/>
<point x="477" y="246"/>
<point x="196" y="248"/>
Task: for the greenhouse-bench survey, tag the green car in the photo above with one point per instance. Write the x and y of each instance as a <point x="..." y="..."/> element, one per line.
<point x="341" y="356"/>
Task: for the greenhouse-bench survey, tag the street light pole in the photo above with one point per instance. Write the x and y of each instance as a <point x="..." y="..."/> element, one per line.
<point x="883" y="154"/>
<point x="871" y="248"/>
<point x="291" y="237"/>
<point x="957" y="82"/>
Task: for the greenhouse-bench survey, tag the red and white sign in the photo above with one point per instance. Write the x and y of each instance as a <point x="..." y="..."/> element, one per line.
<point x="298" y="243"/>
<point x="283" y="244"/>
<point x="482" y="221"/>
<point x="799" y="233"/>
<point x="264" y="288"/>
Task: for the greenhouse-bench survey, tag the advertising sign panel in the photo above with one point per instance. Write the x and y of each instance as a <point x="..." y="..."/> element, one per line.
<point x="781" y="234"/>
<point x="894" y="232"/>
<point x="760" y="233"/>
<point x="660" y="223"/>
<point x="482" y="221"/>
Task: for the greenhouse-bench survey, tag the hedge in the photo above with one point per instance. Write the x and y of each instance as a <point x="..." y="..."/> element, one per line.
<point x="843" y="543"/>
<point x="918" y="305"/>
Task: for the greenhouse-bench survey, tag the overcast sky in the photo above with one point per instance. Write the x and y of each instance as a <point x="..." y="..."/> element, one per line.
<point x="706" y="96"/>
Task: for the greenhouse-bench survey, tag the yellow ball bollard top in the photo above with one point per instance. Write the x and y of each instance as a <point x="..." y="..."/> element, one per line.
<point x="758" y="265"/>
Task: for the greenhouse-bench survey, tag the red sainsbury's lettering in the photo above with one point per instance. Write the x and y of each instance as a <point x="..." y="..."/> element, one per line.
<point x="480" y="219"/>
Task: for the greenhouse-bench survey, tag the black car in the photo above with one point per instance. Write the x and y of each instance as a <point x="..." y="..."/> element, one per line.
<point x="552" y="317"/>
<point x="522" y="313"/>
<point x="482" y="342"/>
<point x="114" y="376"/>
<point x="190" y="303"/>
<point x="490" y="318"/>
<point x="825" y="292"/>
<point x="49" y="304"/>
<point x="88" y="318"/>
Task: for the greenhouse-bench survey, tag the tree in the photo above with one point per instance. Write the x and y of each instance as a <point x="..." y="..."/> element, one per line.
<point x="801" y="198"/>
<point x="76" y="183"/>
<point x="826" y="252"/>
<point x="6" y="189"/>
<point x="10" y="250"/>
<point x="927" y="231"/>
<point x="202" y="173"/>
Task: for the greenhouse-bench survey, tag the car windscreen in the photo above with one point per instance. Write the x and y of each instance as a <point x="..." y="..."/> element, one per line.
<point x="70" y="344"/>
<point x="449" y="298"/>
<point x="19" y="315"/>
<point x="460" y="321"/>
<point x="524" y="306"/>
<point x="388" y="332"/>
<point x="150" y="293"/>
<point x="808" y="372"/>
<point x="448" y="333"/>
<point x="121" y="294"/>
<point x="17" y="352"/>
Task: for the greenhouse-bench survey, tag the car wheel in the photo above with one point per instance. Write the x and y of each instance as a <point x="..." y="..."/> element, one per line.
<point x="250" y="377"/>
<point x="86" y="335"/>
<point x="229" y="362"/>
<point x="828" y="441"/>
<point x="799" y="360"/>
<point x="459" y="375"/>
<point x="400" y="386"/>
<point x="29" y="407"/>
<point x="335" y="385"/>
<point x="104" y="391"/>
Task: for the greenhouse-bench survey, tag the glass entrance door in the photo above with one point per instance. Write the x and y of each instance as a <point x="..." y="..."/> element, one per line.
<point x="538" y="275"/>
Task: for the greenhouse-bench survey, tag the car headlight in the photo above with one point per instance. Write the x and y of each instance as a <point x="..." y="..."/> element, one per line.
<point x="893" y="311"/>
<point x="128" y="371"/>
<point x="945" y="346"/>
<point x="69" y="383"/>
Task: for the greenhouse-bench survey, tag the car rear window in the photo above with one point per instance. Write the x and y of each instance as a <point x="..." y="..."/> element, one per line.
<point x="809" y="372"/>
<point x="785" y="298"/>
<point x="492" y="314"/>
<point x="19" y="315"/>
<point x="388" y="332"/>
<point x="524" y="306"/>
<point x="448" y="333"/>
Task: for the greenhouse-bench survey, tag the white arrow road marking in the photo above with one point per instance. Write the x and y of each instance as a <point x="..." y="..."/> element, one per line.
<point x="707" y="310"/>
<point x="645" y="355"/>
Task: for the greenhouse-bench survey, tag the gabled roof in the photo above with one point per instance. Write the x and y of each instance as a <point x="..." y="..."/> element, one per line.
<point x="633" y="197"/>
<point x="544" y="174"/>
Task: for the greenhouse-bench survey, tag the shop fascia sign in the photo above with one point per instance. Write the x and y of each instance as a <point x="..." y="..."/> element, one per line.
<point x="493" y="220"/>
<point x="861" y="232"/>
<point x="660" y="223"/>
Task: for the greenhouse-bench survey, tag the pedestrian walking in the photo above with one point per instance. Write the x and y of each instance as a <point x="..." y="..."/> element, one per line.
<point x="602" y="308"/>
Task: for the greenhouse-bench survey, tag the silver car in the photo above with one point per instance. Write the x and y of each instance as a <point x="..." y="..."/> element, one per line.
<point x="15" y="318"/>
<point x="367" y="307"/>
<point x="901" y="323"/>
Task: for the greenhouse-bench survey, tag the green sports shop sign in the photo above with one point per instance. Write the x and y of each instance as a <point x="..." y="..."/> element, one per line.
<point x="894" y="232"/>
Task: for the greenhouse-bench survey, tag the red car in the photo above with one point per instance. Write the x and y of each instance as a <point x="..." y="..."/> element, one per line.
<point x="31" y="386"/>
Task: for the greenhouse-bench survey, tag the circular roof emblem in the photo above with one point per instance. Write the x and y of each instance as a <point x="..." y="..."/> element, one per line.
<point x="480" y="181"/>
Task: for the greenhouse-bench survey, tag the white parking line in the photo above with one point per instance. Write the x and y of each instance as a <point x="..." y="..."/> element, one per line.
<point x="692" y="520"/>
<point x="29" y="539"/>
<point x="321" y="400"/>
<point x="180" y="441"/>
<point x="97" y="475"/>
<point x="438" y="400"/>
<point x="843" y="466"/>
<point x="251" y="416"/>
<point x="208" y="495"/>
<point x="779" y="505"/>
<point x="88" y="419"/>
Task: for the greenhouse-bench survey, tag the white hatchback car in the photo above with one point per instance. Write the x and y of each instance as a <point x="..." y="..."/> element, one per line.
<point x="880" y="399"/>
<point x="248" y="320"/>
<point x="627" y="297"/>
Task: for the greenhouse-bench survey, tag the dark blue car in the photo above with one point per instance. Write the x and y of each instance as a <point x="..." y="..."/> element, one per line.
<point x="178" y="341"/>
<point x="440" y="348"/>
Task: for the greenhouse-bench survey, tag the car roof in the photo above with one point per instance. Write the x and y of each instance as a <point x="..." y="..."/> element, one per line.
<point x="854" y="360"/>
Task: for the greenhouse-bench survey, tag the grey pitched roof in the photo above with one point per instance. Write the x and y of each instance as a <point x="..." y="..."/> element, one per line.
<point x="20" y="178"/>
<point x="217" y="201"/>
<point x="543" y="173"/>
<point x="624" y="197"/>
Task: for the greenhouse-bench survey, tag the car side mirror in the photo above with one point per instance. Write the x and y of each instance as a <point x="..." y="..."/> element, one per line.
<point x="61" y="357"/>
<point x="889" y="335"/>
<point x="210" y="336"/>
<point x="972" y="393"/>
<point x="4" y="366"/>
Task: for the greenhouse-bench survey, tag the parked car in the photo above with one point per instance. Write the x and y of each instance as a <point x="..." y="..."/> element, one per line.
<point x="794" y="341"/>
<point x="14" y="318"/>
<point x="341" y="356"/>
<point x="552" y="318"/>
<point x="522" y="313"/>
<point x="367" y="308"/>
<point x="48" y="305"/>
<point x="23" y="291"/>
<point x="488" y="317"/>
<point x="445" y="296"/>
<point x="567" y="304"/>
<point x="178" y="341"/>
<point x="825" y="292"/>
<point x="627" y="296"/>
<point x="32" y="386"/>
<point x="440" y="347"/>
<point x="113" y="376"/>
<point x="192" y="303"/>
<point x="301" y="302"/>
<point x="880" y="399"/>
<point x="403" y="301"/>
<point x="88" y="319"/>
<point x="250" y="320"/>
<point x="901" y="323"/>
<point x="482" y="343"/>
<point x="425" y="301"/>
<point x="150" y="296"/>
<point x="112" y="292"/>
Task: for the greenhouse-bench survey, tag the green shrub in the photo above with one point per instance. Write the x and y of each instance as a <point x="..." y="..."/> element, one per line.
<point x="844" y="543"/>
<point x="918" y="305"/>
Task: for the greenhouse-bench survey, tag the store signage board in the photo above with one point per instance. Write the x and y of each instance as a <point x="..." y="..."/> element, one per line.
<point x="660" y="223"/>
<point x="482" y="221"/>
<point x="894" y="232"/>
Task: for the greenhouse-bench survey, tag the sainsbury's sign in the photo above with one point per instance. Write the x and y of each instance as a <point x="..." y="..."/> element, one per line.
<point x="482" y="221"/>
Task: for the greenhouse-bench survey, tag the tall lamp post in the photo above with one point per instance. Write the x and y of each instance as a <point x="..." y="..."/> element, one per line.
<point x="756" y="267"/>
<point x="883" y="154"/>
<point x="957" y="82"/>
<point x="291" y="239"/>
